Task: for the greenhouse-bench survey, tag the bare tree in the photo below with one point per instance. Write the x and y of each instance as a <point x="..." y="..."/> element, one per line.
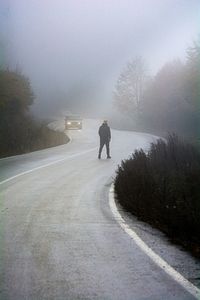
<point x="193" y="75"/>
<point x="130" y="87"/>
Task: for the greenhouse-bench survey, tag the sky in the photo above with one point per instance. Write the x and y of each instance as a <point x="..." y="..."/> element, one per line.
<point x="74" y="50"/>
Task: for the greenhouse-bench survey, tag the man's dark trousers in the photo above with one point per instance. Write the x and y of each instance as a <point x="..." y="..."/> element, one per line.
<point x="102" y="143"/>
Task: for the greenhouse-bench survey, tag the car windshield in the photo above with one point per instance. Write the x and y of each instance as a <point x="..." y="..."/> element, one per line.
<point x="73" y="118"/>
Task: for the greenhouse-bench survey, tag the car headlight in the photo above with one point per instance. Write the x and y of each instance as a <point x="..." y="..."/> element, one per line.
<point x="69" y="123"/>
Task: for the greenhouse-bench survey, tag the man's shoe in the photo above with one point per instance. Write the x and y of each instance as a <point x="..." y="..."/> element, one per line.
<point x="99" y="156"/>
<point x="108" y="157"/>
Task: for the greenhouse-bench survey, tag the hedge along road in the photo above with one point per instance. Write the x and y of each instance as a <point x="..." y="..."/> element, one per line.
<point x="60" y="239"/>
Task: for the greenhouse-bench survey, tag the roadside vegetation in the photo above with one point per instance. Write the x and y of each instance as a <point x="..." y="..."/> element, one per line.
<point x="169" y="101"/>
<point x="162" y="187"/>
<point x="19" y="132"/>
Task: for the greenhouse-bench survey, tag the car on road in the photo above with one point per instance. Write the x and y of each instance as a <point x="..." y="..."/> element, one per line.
<point x="73" y="122"/>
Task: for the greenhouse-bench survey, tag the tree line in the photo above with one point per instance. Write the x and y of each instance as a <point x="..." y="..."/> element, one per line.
<point x="19" y="131"/>
<point x="167" y="102"/>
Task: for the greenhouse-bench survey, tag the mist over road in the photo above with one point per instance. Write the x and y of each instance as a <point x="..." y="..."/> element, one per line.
<point x="60" y="239"/>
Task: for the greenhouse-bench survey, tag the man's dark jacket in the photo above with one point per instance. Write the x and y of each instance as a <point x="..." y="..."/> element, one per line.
<point x="104" y="133"/>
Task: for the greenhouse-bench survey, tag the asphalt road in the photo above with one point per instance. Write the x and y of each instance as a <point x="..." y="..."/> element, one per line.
<point x="59" y="238"/>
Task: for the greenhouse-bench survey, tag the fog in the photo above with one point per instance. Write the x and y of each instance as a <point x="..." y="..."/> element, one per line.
<point x="73" y="51"/>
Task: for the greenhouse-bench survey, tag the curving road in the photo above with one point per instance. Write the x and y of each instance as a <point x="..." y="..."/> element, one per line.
<point x="60" y="239"/>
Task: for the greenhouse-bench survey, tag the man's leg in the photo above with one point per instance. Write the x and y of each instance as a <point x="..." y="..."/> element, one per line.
<point x="108" y="149"/>
<point x="100" y="148"/>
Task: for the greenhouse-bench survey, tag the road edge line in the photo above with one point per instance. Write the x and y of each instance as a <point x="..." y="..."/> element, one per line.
<point x="46" y="165"/>
<point x="187" y="285"/>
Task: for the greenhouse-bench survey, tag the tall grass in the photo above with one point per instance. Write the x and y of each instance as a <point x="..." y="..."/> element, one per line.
<point x="162" y="187"/>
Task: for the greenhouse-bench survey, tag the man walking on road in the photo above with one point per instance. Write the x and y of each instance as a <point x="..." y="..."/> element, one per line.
<point x="105" y="137"/>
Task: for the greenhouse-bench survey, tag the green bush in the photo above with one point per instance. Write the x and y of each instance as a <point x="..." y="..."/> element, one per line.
<point x="162" y="187"/>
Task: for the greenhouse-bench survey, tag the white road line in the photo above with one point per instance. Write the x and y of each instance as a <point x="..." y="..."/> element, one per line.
<point x="47" y="165"/>
<point x="192" y="289"/>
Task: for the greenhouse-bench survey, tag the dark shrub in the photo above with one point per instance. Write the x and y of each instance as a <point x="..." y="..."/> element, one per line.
<point x="162" y="187"/>
<point x="22" y="134"/>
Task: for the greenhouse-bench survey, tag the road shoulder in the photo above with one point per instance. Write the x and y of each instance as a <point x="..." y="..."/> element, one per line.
<point x="176" y="257"/>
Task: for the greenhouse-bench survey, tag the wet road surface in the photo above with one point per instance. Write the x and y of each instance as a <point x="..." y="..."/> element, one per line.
<point x="59" y="238"/>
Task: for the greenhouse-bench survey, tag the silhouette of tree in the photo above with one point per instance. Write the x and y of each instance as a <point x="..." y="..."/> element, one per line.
<point x="169" y="102"/>
<point x="15" y="93"/>
<point x="130" y="87"/>
<point x="193" y="74"/>
<point x="19" y="132"/>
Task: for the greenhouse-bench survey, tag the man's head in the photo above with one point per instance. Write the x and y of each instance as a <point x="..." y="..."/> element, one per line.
<point x="105" y="122"/>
